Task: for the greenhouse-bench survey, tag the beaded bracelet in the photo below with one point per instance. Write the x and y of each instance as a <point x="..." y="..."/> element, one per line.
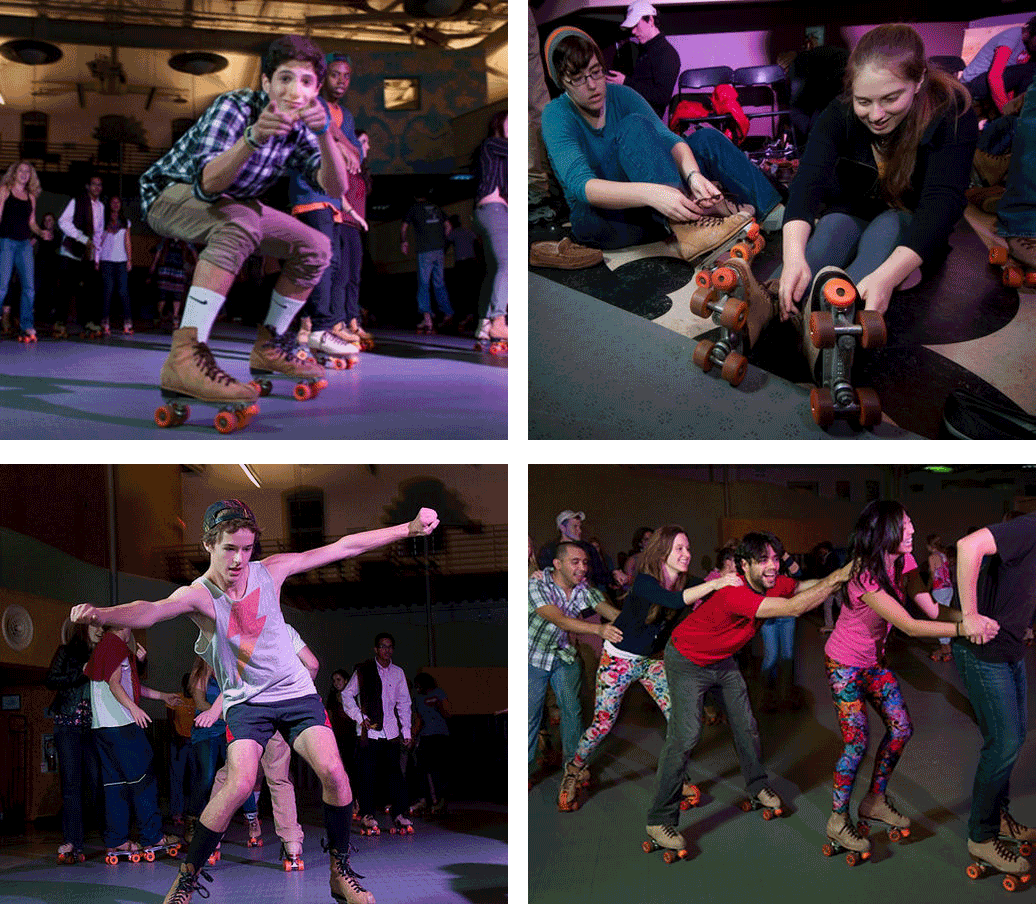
<point x="327" y="125"/>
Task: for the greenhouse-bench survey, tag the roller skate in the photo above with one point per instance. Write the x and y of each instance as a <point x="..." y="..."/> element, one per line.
<point x="418" y="807"/>
<point x="568" y="796"/>
<point x="426" y="326"/>
<point x="999" y="856"/>
<point x="698" y="239"/>
<point x="667" y="840"/>
<point x="215" y="856"/>
<point x="128" y="850"/>
<point x="344" y="886"/>
<point x="401" y="826"/>
<point x="27" y="336"/>
<point x="438" y="809"/>
<point x="291" y="854"/>
<point x="491" y="336"/>
<point x="366" y="339"/>
<point x="59" y="331"/>
<point x="190" y="373"/>
<point x="186" y="884"/>
<point x="843" y="838"/>
<point x="92" y="330"/>
<point x="274" y="355"/>
<point x="879" y="808"/>
<point x="332" y="351"/>
<point x="305" y="329"/>
<point x="69" y="853"/>
<point x="168" y="844"/>
<point x="369" y="826"/>
<point x="106" y="329"/>
<point x="1012" y="830"/>
<point x="690" y="796"/>
<point x="255" y="830"/>
<point x="765" y="800"/>
<point x="127" y="328"/>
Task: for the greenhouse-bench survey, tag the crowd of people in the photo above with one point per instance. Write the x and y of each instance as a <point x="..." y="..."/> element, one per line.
<point x="202" y="200"/>
<point x="247" y="703"/>
<point x="685" y="639"/>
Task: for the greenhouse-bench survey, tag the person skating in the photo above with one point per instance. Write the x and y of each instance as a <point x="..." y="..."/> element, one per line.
<point x="236" y="606"/>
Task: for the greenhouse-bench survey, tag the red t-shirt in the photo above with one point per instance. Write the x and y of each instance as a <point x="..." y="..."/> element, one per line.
<point x="725" y="622"/>
<point x="108" y="656"/>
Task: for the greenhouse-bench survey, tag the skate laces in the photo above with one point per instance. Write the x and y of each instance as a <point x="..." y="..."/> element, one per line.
<point x="1014" y="828"/>
<point x="341" y="860"/>
<point x="669" y="831"/>
<point x="188" y="883"/>
<point x="1004" y="850"/>
<point x="208" y="366"/>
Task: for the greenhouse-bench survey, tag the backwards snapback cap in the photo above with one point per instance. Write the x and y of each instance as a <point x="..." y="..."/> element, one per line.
<point x="226" y="510"/>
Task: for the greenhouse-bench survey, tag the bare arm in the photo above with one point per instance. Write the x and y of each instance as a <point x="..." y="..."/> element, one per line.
<point x="576" y="625"/>
<point x="693" y="594"/>
<point x="140" y="717"/>
<point x="607" y="610"/>
<point x="970" y="551"/>
<point x="809" y="595"/>
<point x="310" y="661"/>
<point x="977" y="628"/>
<point x="193" y="600"/>
<point x="168" y="699"/>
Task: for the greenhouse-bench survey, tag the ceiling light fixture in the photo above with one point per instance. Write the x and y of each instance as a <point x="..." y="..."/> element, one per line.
<point x="251" y="475"/>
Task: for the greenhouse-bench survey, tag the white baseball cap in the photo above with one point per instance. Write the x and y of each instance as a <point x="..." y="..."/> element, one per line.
<point x="637" y="11"/>
<point x="568" y="513"/>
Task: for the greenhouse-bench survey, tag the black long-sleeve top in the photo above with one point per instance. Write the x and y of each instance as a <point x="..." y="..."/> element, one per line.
<point x="655" y="73"/>
<point x="838" y="173"/>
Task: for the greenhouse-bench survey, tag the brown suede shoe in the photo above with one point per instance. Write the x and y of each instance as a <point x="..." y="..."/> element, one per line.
<point x="275" y="354"/>
<point x="702" y="236"/>
<point x="563" y="255"/>
<point x="191" y="370"/>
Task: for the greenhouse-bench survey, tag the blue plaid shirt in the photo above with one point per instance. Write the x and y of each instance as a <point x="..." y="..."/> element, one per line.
<point x="547" y="641"/>
<point x="222" y="124"/>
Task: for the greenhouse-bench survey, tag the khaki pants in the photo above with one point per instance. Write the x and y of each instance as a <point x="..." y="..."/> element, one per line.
<point x="232" y="230"/>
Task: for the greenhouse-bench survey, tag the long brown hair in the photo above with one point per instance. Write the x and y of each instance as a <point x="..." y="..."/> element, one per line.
<point x="651" y="560"/>
<point x="32" y="187"/>
<point x="900" y="50"/>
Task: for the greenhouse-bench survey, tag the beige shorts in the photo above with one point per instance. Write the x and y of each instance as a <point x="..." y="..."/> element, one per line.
<point x="233" y="230"/>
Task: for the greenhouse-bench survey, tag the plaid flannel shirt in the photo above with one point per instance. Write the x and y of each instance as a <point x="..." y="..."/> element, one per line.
<point x="222" y="124"/>
<point x="547" y="641"/>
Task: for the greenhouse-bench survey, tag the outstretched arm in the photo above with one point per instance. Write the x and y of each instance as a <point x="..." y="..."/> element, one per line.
<point x="576" y="625"/>
<point x="285" y="564"/>
<point x="970" y="551"/>
<point x="809" y="595"/>
<point x="192" y="600"/>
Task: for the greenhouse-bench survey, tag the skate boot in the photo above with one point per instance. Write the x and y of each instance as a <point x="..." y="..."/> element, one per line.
<point x="275" y="355"/>
<point x="666" y="839"/>
<point x="27" y="336"/>
<point x="568" y="796"/>
<point x="767" y="801"/>
<point x="332" y="351"/>
<point x="1023" y="249"/>
<point x="426" y="325"/>
<point x="92" y="330"/>
<point x="698" y="237"/>
<point x="418" y="807"/>
<point x="879" y="808"/>
<point x="255" y="830"/>
<point x="369" y="826"/>
<point x="344" y="886"/>
<point x="69" y="853"/>
<point x="998" y="855"/>
<point x="305" y="328"/>
<point x="291" y="854"/>
<point x="1012" y="830"/>
<point x="401" y="826"/>
<point x="106" y="329"/>
<point x="843" y="837"/>
<point x="366" y="339"/>
<point x="127" y="327"/>
<point x="187" y="883"/>
<point x="347" y="335"/>
<point x="59" y="331"/>
<point x="492" y="336"/>
<point x="690" y="796"/>
<point x="215" y="856"/>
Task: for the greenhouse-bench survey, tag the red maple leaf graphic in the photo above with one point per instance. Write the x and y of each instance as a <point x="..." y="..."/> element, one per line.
<point x="245" y="623"/>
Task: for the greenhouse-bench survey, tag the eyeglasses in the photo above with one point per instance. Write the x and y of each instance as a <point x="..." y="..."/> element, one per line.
<point x="596" y="75"/>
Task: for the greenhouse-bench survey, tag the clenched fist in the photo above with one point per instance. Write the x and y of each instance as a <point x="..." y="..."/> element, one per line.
<point x="426" y="521"/>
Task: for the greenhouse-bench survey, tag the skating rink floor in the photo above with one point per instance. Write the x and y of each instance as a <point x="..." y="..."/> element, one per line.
<point x="408" y="387"/>
<point x="594" y="854"/>
<point x="461" y="859"/>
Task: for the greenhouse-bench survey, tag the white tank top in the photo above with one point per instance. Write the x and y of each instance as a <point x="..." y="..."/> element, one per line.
<point x="252" y="653"/>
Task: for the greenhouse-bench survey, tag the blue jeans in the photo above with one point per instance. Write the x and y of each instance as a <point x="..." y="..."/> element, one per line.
<point x="80" y="775"/>
<point x="352" y="269"/>
<point x="643" y="159"/>
<point x="997" y="694"/>
<point x="491" y="222"/>
<point x="326" y="303"/>
<point x="179" y="755"/>
<point x="778" y="645"/>
<point x="687" y="686"/>
<point x="115" y="281"/>
<point x="16" y="255"/>
<point x="1016" y="212"/>
<point x="431" y="266"/>
<point x="566" y="679"/>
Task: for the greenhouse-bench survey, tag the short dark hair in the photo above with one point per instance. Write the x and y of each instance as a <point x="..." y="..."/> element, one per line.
<point x="384" y="635"/>
<point x="293" y="47"/>
<point x="573" y="54"/>
<point x="752" y="548"/>
<point x="559" y="549"/>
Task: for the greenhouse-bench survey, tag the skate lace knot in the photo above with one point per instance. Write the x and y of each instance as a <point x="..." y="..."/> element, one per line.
<point x="1014" y="827"/>
<point x="1005" y="850"/>
<point x="189" y="883"/>
<point x="208" y="366"/>
<point x="340" y="859"/>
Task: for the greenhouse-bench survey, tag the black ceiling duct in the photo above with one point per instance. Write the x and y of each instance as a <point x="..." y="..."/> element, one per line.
<point x="30" y="52"/>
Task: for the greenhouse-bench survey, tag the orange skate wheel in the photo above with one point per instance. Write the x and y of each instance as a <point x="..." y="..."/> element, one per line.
<point x="839" y="293"/>
<point x="302" y="392"/>
<point x="1025" y="848"/>
<point x="135" y="858"/>
<point x="1012" y="277"/>
<point x="769" y="814"/>
<point x="264" y="388"/>
<point x="872" y="329"/>
<point x="1030" y="279"/>
<point x="828" y="850"/>
<point x="226" y="422"/>
<point x="149" y="856"/>
<point x="725" y="278"/>
<point x="671" y="856"/>
<point x="1011" y="883"/>
<point x="863" y="829"/>
<point x="173" y="850"/>
<point x="998" y="255"/>
<point x="350" y="363"/>
<point x="758" y="244"/>
<point x="746" y="806"/>
<point x="734" y="368"/>
<point x="703" y="279"/>
<point x="703" y="299"/>
<point x="111" y="859"/>
<point x="852" y="858"/>
<point x="822" y="407"/>
<point x="822" y="329"/>
<point x="339" y="364"/>
<point x="753" y="230"/>
<point x="742" y="251"/>
<point x="703" y="355"/>
<point x="870" y="415"/>
<point x="164" y="416"/>
<point x="734" y="314"/>
<point x="974" y="870"/>
<point x="647" y="847"/>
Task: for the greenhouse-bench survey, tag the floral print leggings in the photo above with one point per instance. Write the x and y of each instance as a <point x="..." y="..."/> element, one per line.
<point x="851" y="687"/>
<point x="614" y="675"/>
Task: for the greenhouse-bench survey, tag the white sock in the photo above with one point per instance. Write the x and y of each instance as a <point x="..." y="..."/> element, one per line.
<point x="282" y="312"/>
<point x="201" y="310"/>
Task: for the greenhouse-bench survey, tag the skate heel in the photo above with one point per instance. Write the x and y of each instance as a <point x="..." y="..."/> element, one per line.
<point x="852" y="858"/>
<point x="292" y="862"/>
<point x="667" y="840"/>
<point x="690" y="796"/>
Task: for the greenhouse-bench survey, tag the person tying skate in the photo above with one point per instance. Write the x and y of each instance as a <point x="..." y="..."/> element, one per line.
<point x="265" y="687"/>
<point x="205" y="190"/>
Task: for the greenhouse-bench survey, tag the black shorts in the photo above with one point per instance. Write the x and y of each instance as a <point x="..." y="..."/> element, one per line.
<point x="258" y="721"/>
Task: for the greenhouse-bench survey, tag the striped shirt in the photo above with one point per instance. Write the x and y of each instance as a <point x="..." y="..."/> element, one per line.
<point x="547" y="641"/>
<point x="220" y="126"/>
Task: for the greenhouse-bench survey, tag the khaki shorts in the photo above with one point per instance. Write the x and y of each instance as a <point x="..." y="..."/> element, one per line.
<point x="233" y="230"/>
